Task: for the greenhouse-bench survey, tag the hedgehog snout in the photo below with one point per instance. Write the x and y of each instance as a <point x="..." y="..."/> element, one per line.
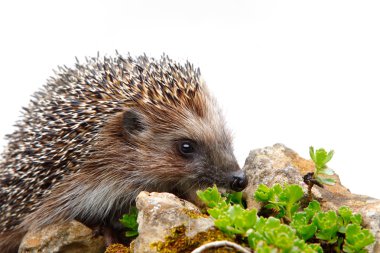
<point x="238" y="181"/>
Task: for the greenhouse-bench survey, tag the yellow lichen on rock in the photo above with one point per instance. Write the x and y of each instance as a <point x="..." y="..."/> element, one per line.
<point x="179" y="242"/>
<point x="117" y="248"/>
<point x="194" y="214"/>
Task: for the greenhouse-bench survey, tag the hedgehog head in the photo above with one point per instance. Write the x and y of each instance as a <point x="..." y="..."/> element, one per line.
<point x="170" y="135"/>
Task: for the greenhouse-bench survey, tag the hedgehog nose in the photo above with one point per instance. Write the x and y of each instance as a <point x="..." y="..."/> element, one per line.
<point x="239" y="181"/>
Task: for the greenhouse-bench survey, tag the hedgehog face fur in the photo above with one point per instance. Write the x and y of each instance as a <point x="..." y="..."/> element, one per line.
<point x="98" y="134"/>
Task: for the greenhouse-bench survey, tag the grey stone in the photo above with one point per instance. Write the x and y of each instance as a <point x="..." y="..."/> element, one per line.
<point x="159" y="213"/>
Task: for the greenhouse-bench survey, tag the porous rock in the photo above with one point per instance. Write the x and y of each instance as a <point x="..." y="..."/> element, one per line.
<point x="279" y="164"/>
<point x="71" y="237"/>
<point x="159" y="213"/>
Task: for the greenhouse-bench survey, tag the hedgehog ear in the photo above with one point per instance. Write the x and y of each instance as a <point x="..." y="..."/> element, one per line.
<point x="133" y="121"/>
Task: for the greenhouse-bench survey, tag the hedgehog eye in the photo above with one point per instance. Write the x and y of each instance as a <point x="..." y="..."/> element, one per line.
<point x="186" y="148"/>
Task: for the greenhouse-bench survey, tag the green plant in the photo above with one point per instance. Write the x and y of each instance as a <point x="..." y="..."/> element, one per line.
<point x="357" y="239"/>
<point x="348" y="217"/>
<point x="283" y="200"/>
<point x="302" y="221"/>
<point x="262" y="234"/>
<point x="327" y="226"/>
<point x="320" y="157"/>
<point x="235" y="198"/>
<point x="293" y="228"/>
<point x="230" y="217"/>
<point x="283" y="237"/>
<point x="129" y="221"/>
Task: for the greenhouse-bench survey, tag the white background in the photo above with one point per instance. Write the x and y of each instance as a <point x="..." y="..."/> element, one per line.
<point x="296" y="72"/>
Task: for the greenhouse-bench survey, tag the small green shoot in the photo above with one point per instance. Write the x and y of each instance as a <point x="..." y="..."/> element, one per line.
<point x="130" y="222"/>
<point x="320" y="158"/>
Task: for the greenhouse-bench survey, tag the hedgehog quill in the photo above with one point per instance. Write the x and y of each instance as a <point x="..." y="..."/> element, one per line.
<point x="102" y="131"/>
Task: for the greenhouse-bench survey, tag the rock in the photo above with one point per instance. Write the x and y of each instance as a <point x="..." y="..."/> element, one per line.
<point x="71" y="237"/>
<point x="279" y="164"/>
<point x="167" y="221"/>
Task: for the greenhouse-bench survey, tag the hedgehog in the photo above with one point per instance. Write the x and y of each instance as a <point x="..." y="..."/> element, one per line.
<point x="100" y="132"/>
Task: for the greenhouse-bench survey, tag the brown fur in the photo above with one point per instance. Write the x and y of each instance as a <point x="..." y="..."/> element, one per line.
<point x="10" y="241"/>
